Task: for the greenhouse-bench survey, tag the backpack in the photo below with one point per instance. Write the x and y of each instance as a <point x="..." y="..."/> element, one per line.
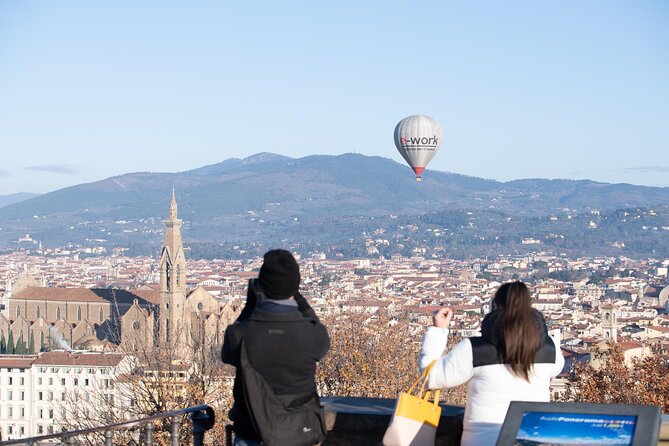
<point x="281" y="420"/>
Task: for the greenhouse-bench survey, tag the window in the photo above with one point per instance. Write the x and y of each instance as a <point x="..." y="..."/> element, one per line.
<point x="10" y="430"/>
<point x="22" y="412"/>
<point x="62" y="381"/>
<point x="39" y="381"/>
<point x="18" y="311"/>
<point x="102" y="315"/>
<point x="51" y="381"/>
<point x="167" y="276"/>
<point x="9" y="395"/>
<point x="58" y="313"/>
<point x="50" y="396"/>
<point x="11" y="380"/>
<point x="86" y="382"/>
<point x="50" y="413"/>
<point x="10" y="411"/>
<point x="62" y="396"/>
<point x="40" y="429"/>
<point x="22" y="396"/>
<point x="37" y="313"/>
<point x="41" y="413"/>
<point x="78" y="313"/>
<point x="76" y="381"/>
<point x="39" y="396"/>
<point x="22" y="430"/>
<point x="49" y="429"/>
<point x="22" y="380"/>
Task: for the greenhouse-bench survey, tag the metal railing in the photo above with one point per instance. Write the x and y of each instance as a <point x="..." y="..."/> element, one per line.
<point x="202" y="416"/>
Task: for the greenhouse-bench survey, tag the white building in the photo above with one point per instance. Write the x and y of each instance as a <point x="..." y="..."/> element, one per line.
<point x="38" y="391"/>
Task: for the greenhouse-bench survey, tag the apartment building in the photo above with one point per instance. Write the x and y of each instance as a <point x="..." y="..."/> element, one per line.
<point x="39" y="392"/>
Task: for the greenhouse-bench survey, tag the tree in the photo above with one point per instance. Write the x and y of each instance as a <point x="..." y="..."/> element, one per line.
<point x="160" y="381"/>
<point x="20" y="348"/>
<point x="373" y="357"/>
<point x="3" y="343"/>
<point x="31" y="345"/>
<point x="10" y="343"/>
<point x="612" y="381"/>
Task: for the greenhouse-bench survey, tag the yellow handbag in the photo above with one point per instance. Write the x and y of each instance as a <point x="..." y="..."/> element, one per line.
<point x="415" y="420"/>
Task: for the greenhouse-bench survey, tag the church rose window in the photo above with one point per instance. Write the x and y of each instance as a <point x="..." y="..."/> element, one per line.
<point x="135" y="325"/>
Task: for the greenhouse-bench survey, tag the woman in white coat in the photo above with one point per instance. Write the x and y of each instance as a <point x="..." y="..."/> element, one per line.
<point x="514" y="359"/>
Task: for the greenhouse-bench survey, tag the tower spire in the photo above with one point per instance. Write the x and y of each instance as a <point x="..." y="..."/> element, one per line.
<point x="172" y="215"/>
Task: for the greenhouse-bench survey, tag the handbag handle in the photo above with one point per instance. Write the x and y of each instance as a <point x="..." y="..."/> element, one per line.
<point x="424" y="392"/>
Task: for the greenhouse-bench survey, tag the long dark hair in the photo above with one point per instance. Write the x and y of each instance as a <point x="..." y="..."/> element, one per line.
<point x="517" y="324"/>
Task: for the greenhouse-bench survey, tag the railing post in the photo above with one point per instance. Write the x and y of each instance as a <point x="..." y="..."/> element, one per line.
<point x="109" y="435"/>
<point x="148" y="434"/>
<point x="71" y="441"/>
<point x="176" y="428"/>
<point x="228" y="435"/>
<point x="202" y="422"/>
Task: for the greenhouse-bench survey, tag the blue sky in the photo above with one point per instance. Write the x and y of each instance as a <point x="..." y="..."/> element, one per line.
<point x="530" y="89"/>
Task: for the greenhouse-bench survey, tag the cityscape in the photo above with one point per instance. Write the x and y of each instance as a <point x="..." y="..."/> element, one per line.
<point x="60" y="307"/>
<point x="246" y="223"/>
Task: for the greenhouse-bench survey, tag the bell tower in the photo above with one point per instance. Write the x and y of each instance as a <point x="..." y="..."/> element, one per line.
<point x="172" y="321"/>
<point x="609" y="322"/>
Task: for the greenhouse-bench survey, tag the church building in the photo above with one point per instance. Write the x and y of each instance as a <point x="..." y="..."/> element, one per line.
<point x="112" y="319"/>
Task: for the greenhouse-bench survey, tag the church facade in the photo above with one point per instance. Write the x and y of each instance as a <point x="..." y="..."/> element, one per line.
<point x="112" y="319"/>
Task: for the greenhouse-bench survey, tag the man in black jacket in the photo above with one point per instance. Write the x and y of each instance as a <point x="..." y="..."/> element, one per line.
<point x="283" y="340"/>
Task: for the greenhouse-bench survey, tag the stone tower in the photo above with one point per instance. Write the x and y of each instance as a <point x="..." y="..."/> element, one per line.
<point x="609" y="322"/>
<point x="172" y="320"/>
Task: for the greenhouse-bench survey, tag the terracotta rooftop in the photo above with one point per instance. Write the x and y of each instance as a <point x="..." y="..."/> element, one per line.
<point x="16" y="361"/>
<point x="87" y="295"/>
<point x="79" y="359"/>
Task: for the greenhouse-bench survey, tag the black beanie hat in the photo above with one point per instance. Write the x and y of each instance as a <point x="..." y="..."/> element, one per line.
<point x="279" y="274"/>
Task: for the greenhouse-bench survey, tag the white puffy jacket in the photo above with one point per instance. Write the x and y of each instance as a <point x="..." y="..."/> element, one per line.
<point x="491" y="385"/>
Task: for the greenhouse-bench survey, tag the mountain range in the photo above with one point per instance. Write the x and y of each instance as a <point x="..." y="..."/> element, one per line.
<point x="273" y="199"/>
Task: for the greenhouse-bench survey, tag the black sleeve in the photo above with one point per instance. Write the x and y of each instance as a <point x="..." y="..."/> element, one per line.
<point x="250" y="305"/>
<point x="304" y="307"/>
<point x="322" y="341"/>
<point x="231" y="341"/>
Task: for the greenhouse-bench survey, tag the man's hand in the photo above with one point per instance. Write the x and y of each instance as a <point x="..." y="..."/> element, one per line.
<point x="442" y="317"/>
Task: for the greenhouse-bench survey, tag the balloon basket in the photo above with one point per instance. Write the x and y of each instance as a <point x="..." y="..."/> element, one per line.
<point x="418" y="179"/>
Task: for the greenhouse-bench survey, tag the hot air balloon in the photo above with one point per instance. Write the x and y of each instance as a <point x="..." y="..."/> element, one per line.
<point x="418" y="139"/>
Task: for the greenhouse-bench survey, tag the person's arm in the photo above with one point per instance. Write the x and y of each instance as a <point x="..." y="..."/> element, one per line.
<point x="304" y="306"/>
<point x="251" y="301"/>
<point x="454" y="368"/>
<point x="231" y="341"/>
<point x="322" y="341"/>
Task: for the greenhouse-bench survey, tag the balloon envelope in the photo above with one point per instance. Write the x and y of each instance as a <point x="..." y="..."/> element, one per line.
<point x="418" y="139"/>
